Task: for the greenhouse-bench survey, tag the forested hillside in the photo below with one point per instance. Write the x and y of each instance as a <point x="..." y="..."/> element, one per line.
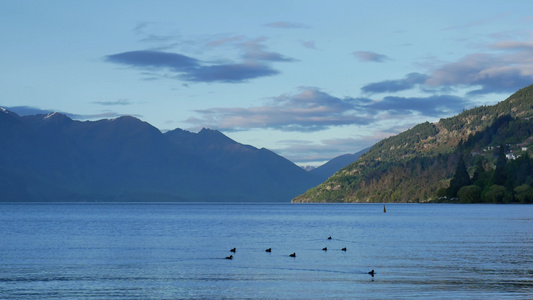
<point x="418" y="164"/>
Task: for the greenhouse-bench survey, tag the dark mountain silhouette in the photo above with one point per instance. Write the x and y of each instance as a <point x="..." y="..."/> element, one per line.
<point x="54" y="158"/>
<point x="333" y="166"/>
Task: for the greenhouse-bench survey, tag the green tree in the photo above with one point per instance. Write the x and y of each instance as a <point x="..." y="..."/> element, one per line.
<point x="441" y="192"/>
<point x="499" y="177"/>
<point x="524" y="193"/>
<point x="520" y="169"/>
<point x="479" y="171"/>
<point x="469" y="194"/>
<point x="460" y="178"/>
<point x="496" y="194"/>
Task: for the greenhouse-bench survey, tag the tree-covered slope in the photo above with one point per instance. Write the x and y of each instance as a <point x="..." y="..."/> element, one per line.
<point x="414" y="165"/>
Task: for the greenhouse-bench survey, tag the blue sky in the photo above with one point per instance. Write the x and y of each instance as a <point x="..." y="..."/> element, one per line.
<point x="310" y="80"/>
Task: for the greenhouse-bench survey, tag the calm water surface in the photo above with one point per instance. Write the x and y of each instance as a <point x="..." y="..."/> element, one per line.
<point x="176" y="251"/>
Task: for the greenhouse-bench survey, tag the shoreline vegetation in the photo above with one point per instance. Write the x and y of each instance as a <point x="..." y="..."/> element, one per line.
<point x="509" y="182"/>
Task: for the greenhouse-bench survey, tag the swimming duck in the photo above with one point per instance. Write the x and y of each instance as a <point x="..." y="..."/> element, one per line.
<point x="229" y="257"/>
<point x="371" y="273"/>
<point x="233" y="250"/>
<point x="293" y="255"/>
<point x="325" y="248"/>
<point x="343" y="249"/>
<point x="268" y="250"/>
<point x="329" y="238"/>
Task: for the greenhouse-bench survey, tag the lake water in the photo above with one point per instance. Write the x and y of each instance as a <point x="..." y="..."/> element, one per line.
<point x="177" y="251"/>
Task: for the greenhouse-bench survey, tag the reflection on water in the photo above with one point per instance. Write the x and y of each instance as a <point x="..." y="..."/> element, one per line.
<point x="137" y="251"/>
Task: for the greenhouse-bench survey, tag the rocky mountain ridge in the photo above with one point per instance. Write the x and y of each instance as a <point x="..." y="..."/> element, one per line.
<point x="54" y="158"/>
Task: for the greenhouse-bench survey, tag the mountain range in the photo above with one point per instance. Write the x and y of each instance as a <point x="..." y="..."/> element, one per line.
<point x="418" y="164"/>
<point x="331" y="167"/>
<point x="50" y="157"/>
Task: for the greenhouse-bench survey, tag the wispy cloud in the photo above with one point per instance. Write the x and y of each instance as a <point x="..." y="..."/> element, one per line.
<point x="255" y="61"/>
<point x="391" y="86"/>
<point x="29" y="110"/>
<point x="225" y="40"/>
<point x="112" y="103"/>
<point x="309" y="110"/>
<point x="304" y="152"/>
<point x="314" y="110"/>
<point x="232" y="73"/>
<point x="367" y="56"/>
<point x="155" y="59"/>
<point x="504" y="68"/>
<point x="309" y="44"/>
<point x="99" y="116"/>
<point x="254" y="50"/>
<point x="432" y="106"/>
<point x="487" y="73"/>
<point x="191" y="69"/>
<point x="150" y="33"/>
<point x="514" y="45"/>
<point x="286" y="25"/>
<point x="479" y="22"/>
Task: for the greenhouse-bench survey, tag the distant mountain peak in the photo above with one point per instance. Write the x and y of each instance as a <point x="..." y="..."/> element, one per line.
<point x="215" y="136"/>
<point x="331" y="167"/>
<point x="55" y="115"/>
<point x="210" y="131"/>
<point x="55" y="118"/>
<point x="308" y="168"/>
<point x="128" y="119"/>
<point x="7" y="112"/>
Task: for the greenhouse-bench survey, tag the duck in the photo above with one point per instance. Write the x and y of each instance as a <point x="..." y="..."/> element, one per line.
<point x="268" y="250"/>
<point x="229" y="257"/>
<point x="329" y="238"/>
<point x="233" y="250"/>
<point x="325" y="248"/>
<point x="343" y="249"/>
<point x="293" y="255"/>
<point x="371" y="273"/>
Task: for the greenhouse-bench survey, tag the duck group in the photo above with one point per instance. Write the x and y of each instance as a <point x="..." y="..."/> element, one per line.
<point x="269" y="250"/>
<point x="233" y="250"/>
